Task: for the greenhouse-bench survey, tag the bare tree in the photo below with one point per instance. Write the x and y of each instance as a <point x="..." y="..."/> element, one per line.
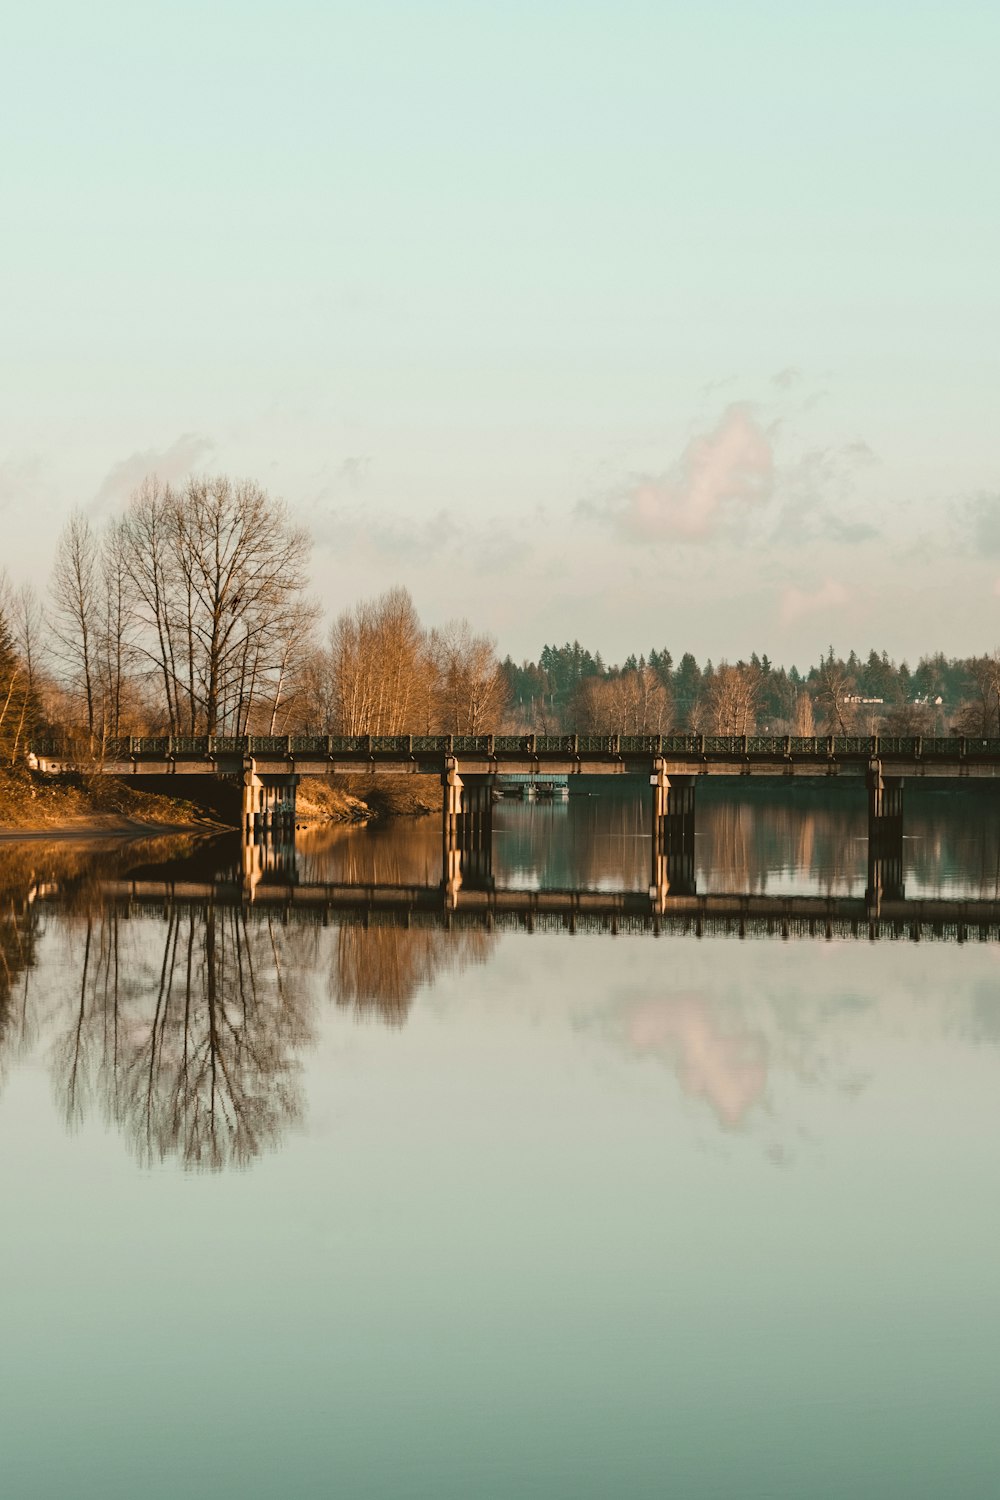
<point x="632" y="702"/>
<point x="471" y="689"/>
<point x="15" y="697"/>
<point x="980" y="714"/>
<point x="380" y="669"/>
<point x="804" y="720"/>
<point x="731" y="703"/>
<point x="149" y="531"/>
<point x="835" y="689"/>
<point x="75" y="583"/>
<point x="218" y="571"/>
<point x="116" y="624"/>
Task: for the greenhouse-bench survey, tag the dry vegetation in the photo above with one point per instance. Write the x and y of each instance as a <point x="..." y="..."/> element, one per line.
<point x="363" y="800"/>
<point x="29" y="801"/>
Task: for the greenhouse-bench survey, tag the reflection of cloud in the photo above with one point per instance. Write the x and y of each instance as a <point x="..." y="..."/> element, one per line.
<point x="733" y="464"/>
<point x="796" y="602"/>
<point x="168" y="464"/>
<point x="728" y="1069"/>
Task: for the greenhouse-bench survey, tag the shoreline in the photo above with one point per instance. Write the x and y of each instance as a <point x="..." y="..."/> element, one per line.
<point x="86" y="829"/>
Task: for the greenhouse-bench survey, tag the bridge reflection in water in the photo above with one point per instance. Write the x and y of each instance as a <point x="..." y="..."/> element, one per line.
<point x="196" y="971"/>
<point x="471" y="901"/>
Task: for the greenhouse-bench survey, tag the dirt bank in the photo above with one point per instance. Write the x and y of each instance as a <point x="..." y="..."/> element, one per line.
<point x="363" y="800"/>
<point x="80" y="807"/>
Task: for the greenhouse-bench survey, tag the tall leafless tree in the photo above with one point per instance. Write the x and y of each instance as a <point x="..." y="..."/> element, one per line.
<point x="218" y="572"/>
<point x="76" y="609"/>
<point x="470" y="686"/>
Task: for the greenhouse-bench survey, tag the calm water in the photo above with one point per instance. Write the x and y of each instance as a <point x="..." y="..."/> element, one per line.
<point x="302" y="1205"/>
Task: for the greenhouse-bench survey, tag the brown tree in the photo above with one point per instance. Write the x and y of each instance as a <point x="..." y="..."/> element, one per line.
<point x="731" y="700"/>
<point x="470" y="688"/>
<point x="218" y="572"/>
<point x="76" y="609"/>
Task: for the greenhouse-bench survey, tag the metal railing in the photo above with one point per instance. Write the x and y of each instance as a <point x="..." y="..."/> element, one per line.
<point x="361" y="747"/>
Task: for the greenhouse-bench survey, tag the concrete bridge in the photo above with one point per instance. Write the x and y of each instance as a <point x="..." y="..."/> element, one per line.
<point x="269" y="768"/>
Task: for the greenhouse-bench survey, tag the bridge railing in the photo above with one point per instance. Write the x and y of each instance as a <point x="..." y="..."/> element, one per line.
<point x="74" y="749"/>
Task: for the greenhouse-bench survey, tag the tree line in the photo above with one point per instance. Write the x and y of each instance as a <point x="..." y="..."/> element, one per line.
<point x="571" y="689"/>
<point x="189" y="613"/>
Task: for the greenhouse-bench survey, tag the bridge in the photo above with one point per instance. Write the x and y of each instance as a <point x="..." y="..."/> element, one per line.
<point x="469" y="768"/>
<point x="572" y="911"/>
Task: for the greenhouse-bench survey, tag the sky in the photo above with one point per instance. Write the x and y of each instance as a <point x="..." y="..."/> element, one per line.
<point x="646" y="324"/>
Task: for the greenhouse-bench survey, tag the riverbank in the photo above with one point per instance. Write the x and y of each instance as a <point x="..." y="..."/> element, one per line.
<point x="76" y="807"/>
<point x="365" y="800"/>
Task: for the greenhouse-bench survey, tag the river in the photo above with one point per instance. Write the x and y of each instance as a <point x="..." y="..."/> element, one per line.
<point x="369" y="1203"/>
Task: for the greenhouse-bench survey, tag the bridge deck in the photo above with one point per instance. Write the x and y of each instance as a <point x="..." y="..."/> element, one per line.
<point x="531" y="755"/>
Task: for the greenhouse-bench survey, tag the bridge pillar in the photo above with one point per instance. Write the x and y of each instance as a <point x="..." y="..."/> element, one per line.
<point x="268" y="804"/>
<point x="250" y="824"/>
<point x="885" y="837"/>
<point x="476" y="814"/>
<point x="673" y="833"/>
<point x="467" y="829"/>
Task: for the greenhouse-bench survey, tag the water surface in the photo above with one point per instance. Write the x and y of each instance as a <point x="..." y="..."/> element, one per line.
<point x="302" y="1205"/>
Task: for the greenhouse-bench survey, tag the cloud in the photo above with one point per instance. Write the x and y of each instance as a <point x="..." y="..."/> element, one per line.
<point x="169" y="464"/>
<point x="20" y="480"/>
<point x="796" y="602"/>
<point x="786" y="378"/>
<point x="817" y="489"/>
<point x="731" y="466"/>
<point x="984" y="517"/>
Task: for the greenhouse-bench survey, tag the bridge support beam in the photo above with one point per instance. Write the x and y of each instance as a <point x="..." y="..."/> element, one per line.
<point x="885" y="837"/>
<point x="673" y="834"/>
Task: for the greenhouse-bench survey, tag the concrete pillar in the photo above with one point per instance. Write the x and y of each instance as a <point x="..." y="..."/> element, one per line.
<point x="476" y="815"/>
<point x="885" y="837"/>
<point x="251" y="804"/>
<point x="673" y="833"/>
<point x="452" y="802"/>
<point x="467" y="832"/>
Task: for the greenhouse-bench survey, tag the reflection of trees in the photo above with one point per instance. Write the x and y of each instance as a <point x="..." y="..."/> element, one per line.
<point x="377" y="970"/>
<point x="189" y="1043"/>
<point x="743" y="843"/>
<point x="398" y="853"/>
<point x="18" y="936"/>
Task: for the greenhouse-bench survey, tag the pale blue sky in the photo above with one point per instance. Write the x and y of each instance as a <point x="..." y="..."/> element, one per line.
<point x="465" y="284"/>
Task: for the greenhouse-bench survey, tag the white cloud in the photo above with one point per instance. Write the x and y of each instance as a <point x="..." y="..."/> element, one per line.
<point x="797" y="602"/>
<point x="169" y="464"/>
<point x="730" y="466"/>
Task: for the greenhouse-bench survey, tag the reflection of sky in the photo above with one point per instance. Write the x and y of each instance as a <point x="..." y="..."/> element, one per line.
<point x="602" y="1211"/>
